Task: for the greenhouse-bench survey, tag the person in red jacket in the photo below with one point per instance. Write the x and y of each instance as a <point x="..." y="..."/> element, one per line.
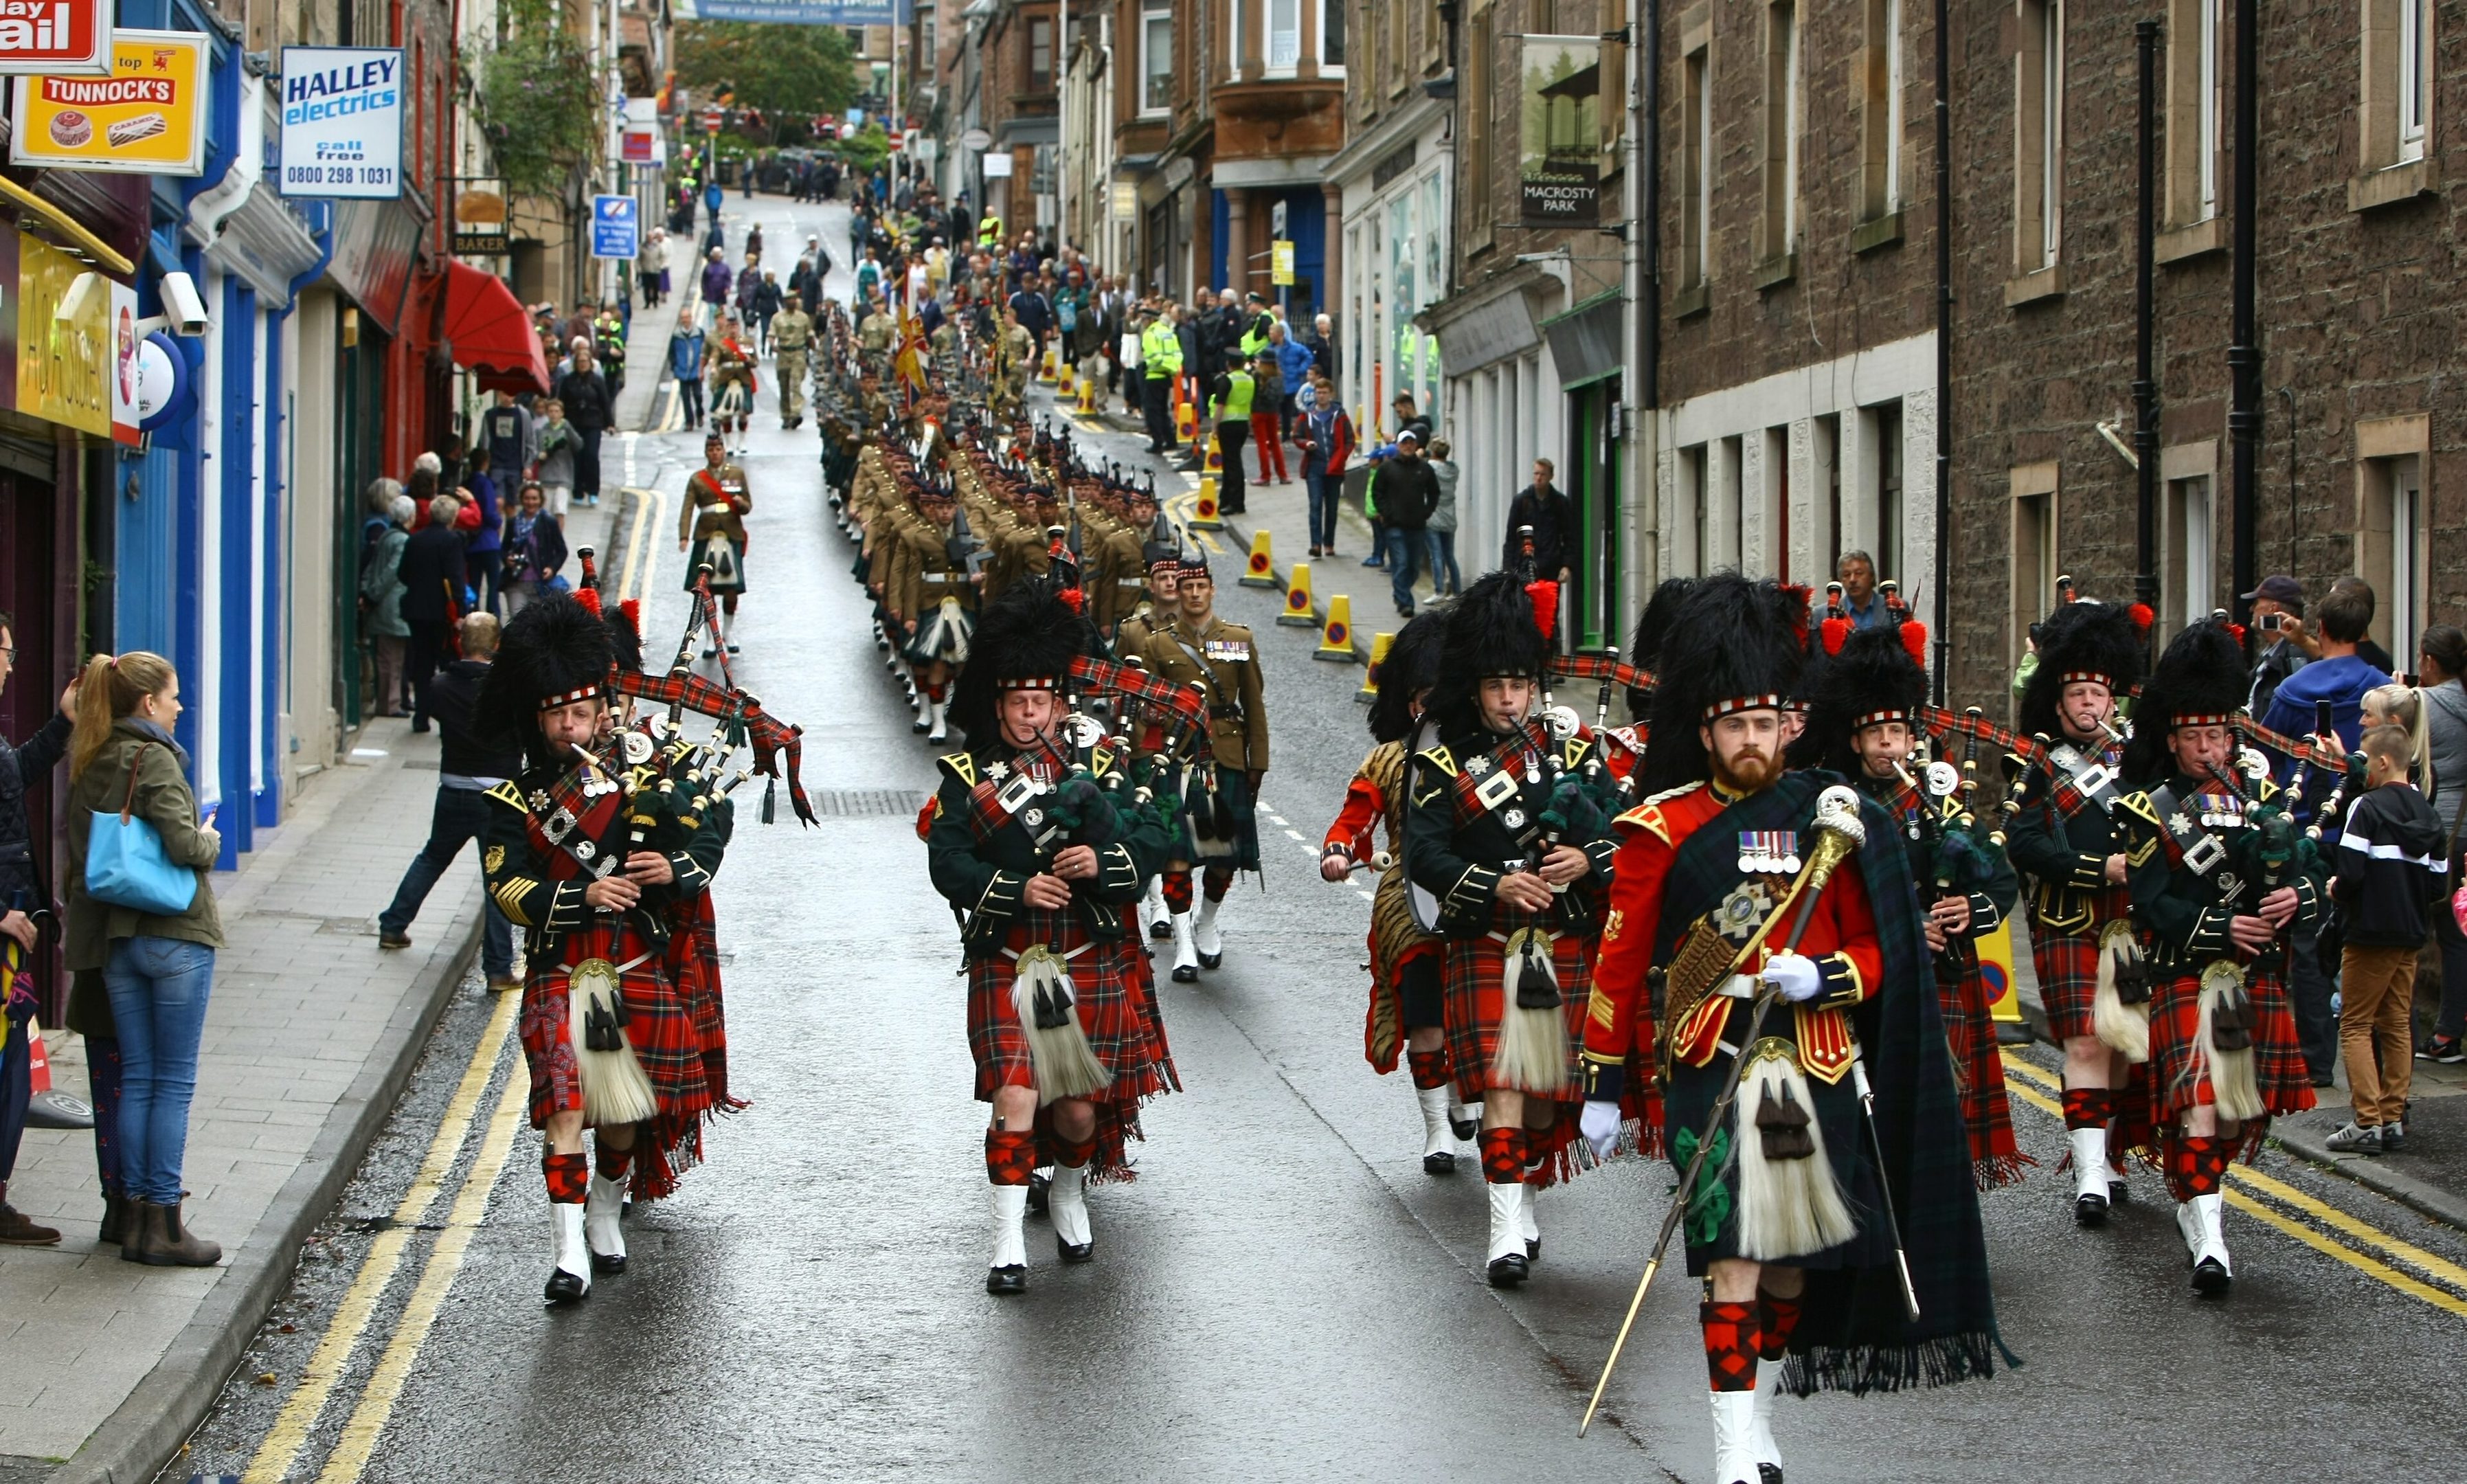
<point x="1327" y="438"/>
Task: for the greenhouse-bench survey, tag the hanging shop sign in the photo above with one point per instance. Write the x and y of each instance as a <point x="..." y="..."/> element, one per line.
<point x="645" y="145"/>
<point x="163" y="382"/>
<point x="146" y="117"/>
<point x="63" y="337"/>
<point x="480" y="226"/>
<point x="122" y="371"/>
<point x="342" y="121"/>
<point x="59" y="37"/>
<point x="1559" y="148"/>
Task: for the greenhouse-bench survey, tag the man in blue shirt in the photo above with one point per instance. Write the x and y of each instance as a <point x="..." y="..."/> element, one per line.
<point x="1294" y="364"/>
<point x="2338" y="674"/>
<point x="1856" y="571"/>
<point x="2341" y="676"/>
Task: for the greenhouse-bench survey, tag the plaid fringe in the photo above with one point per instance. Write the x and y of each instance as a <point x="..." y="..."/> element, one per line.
<point x="1862" y="1369"/>
<point x="1978" y="1071"/>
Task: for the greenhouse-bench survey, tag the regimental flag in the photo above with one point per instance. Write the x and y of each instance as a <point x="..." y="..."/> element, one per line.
<point x="908" y="363"/>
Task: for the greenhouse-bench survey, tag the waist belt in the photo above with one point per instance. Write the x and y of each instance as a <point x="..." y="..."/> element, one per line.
<point x="937" y="577"/>
<point x="1130" y="581"/>
<point x="1224" y="713"/>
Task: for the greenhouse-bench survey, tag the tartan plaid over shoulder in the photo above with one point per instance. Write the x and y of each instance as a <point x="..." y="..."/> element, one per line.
<point x="1853" y="1335"/>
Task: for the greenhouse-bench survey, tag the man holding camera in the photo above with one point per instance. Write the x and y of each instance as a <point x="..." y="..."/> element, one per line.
<point x="23" y="905"/>
<point x="2278" y="621"/>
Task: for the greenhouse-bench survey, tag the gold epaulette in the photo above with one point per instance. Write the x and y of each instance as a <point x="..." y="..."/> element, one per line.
<point x="2138" y="804"/>
<point x="1439" y="758"/>
<point x="506" y="793"/>
<point x="961" y="765"/>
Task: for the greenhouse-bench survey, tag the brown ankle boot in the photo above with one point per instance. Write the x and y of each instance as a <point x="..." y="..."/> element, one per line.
<point x="17" y="1230"/>
<point x="136" y="1223"/>
<point x="119" y="1215"/>
<point x="168" y="1245"/>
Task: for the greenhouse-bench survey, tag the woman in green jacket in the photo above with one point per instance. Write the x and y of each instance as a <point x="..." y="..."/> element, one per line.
<point x="157" y="968"/>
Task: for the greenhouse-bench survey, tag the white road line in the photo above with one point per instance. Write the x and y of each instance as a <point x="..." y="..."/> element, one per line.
<point x="1277" y="819"/>
<point x="1293" y="834"/>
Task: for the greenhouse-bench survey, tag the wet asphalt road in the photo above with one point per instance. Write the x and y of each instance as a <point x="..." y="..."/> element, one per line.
<point x="1282" y="1294"/>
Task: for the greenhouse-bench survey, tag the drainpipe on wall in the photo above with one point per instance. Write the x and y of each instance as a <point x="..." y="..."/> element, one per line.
<point x="1944" y="341"/>
<point x="2244" y="349"/>
<point x="2145" y="384"/>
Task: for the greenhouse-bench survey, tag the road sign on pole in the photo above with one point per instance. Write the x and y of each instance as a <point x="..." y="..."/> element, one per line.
<point x="616" y="230"/>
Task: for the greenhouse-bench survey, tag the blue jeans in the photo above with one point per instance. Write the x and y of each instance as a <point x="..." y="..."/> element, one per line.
<point x="158" y="990"/>
<point x="1323" y="501"/>
<point x="1405" y="552"/>
<point x="460" y="814"/>
<point x="1379" y="543"/>
<point x="1445" y="579"/>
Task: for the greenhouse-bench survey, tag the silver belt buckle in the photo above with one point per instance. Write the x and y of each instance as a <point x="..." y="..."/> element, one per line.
<point x="2206" y="852"/>
<point x="2094" y="781"/>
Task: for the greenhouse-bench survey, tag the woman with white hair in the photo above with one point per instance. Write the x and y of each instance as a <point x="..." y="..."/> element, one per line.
<point x="381" y="601"/>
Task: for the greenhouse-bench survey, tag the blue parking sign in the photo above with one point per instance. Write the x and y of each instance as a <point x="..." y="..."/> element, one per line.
<point x="616" y="230"/>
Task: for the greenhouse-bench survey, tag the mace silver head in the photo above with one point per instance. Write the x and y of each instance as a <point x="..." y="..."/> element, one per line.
<point x="1836" y="812"/>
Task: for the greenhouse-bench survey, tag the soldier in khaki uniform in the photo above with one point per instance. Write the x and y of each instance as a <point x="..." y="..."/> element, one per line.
<point x="1197" y="648"/>
<point x="791" y="334"/>
<point x="711" y="528"/>
<point x="935" y="599"/>
<point x="1014" y="360"/>
<point x="1120" y="566"/>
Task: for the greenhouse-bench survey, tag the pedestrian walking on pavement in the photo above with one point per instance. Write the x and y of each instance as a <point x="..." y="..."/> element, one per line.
<point x="25" y="908"/>
<point x="381" y="604"/>
<point x="592" y="408"/>
<point x="1408" y="492"/>
<point x="432" y="574"/>
<point x="1327" y="447"/>
<point x="509" y="438"/>
<point x="467" y="767"/>
<point x="1446" y="582"/>
<point x="2391" y="881"/>
<point x="559" y="442"/>
<point x="158" y="967"/>
<point x="685" y="364"/>
<point x="1268" y="408"/>
<point x="534" y="549"/>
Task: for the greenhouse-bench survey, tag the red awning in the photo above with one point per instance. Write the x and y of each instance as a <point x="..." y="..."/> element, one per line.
<point x="488" y="331"/>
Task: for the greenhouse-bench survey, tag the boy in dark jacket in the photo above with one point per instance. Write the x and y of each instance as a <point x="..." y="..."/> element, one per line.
<point x="2390" y="877"/>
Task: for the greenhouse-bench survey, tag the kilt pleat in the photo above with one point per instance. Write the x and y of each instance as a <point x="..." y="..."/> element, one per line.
<point x="2068" y="970"/>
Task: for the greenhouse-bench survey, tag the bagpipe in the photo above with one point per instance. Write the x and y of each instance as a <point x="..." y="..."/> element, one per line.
<point x="687" y="774"/>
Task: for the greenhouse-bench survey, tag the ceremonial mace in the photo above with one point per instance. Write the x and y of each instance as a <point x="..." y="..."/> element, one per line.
<point x="1839" y="832"/>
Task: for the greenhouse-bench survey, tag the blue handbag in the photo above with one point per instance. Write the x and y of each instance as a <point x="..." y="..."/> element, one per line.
<point x="124" y="864"/>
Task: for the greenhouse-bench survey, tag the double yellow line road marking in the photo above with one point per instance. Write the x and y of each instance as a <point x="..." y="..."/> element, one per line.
<point x="353" y="1316"/>
<point x="2331" y="1232"/>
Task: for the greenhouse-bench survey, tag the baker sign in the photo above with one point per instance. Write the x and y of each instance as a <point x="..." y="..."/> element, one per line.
<point x="146" y="117"/>
<point x="342" y="121"/>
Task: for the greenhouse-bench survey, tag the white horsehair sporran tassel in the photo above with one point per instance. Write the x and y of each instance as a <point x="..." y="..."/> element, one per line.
<point x="615" y="1090"/>
<point x="1532" y="1052"/>
<point x="2123" y="1024"/>
<point x="2222" y="1043"/>
<point x="1041" y="996"/>
<point x="1789" y="1202"/>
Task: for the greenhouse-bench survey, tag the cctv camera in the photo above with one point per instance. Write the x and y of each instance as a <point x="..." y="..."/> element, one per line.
<point x="182" y="305"/>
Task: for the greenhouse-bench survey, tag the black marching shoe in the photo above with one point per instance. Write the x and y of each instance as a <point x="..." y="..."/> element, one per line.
<point x="1509" y="1271"/>
<point x="1011" y="1279"/>
<point x="565" y="1287"/>
<point x="2090" y="1210"/>
<point x="1439" y="1162"/>
<point x="2211" y="1278"/>
<point x="1185" y="973"/>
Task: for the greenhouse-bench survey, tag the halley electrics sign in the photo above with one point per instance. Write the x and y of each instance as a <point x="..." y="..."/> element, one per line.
<point x="342" y="121"/>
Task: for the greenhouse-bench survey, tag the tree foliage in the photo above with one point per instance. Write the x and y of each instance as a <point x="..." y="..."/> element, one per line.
<point x="540" y="104"/>
<point x="779" y="70"/>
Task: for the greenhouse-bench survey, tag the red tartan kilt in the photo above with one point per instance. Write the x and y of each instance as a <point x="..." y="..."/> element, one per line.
<point x="659" y="1027"/>
<point x="2068" y="969"/>
<point x="2286" y="1084"/>
<point x="1105" y="983"/>
<point x="1474" y="998"/>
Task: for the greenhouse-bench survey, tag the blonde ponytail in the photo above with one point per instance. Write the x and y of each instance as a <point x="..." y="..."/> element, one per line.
<point x="111" y="688"/>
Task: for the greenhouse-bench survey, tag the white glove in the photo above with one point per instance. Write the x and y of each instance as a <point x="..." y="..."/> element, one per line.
<point x="1794" y="975"/>
<point x="1600" y="1124"/>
